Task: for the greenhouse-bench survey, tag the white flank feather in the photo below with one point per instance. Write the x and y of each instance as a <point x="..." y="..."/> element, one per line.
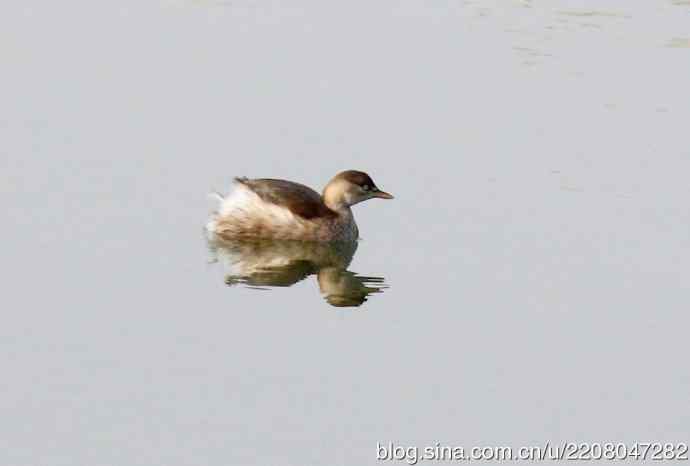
<point x="243" y="209"/>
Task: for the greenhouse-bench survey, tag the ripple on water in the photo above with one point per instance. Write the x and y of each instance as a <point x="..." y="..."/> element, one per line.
<point x="593" y="13"/>
<point x="679" y="42"/>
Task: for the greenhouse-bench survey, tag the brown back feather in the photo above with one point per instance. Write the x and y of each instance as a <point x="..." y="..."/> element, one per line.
<point x="299" y="199"/>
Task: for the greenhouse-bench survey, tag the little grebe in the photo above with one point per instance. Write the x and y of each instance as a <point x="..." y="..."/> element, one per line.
<point x="279" y="209"/>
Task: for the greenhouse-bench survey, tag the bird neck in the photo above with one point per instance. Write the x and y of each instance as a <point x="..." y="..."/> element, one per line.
<point x="335" y="197"/>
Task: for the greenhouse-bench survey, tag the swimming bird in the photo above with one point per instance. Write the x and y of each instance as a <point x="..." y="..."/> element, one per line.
<point x="280" y="209"/>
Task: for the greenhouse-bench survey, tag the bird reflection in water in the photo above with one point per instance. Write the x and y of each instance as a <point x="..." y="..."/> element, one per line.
<point x="263" y="263"/>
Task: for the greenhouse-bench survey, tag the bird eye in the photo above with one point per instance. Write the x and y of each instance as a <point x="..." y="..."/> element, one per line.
<point x="365" y="187"/>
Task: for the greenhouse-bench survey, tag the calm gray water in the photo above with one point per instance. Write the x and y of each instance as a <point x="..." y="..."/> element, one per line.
<point x="532" y="270"/>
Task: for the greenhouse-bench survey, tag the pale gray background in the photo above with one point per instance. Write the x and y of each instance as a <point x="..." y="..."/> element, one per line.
<point x="537" y="251"/>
